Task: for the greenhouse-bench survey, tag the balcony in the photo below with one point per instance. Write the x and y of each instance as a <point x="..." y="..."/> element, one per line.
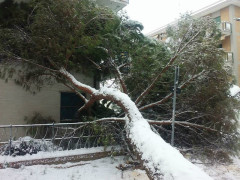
<point x="226" y="28"/>
<point x="161" y="37"/>
<point x="229" y="58"/>
<point x="115" y="5"/>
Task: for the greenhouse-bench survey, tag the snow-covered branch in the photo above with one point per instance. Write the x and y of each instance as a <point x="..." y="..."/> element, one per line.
<point x="159" y="160"/>
<point x="83" y="87"/>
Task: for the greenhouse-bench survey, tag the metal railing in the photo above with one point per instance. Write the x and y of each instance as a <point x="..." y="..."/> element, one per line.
<point x="226" y="28"/>
<point x="65" y="135"/>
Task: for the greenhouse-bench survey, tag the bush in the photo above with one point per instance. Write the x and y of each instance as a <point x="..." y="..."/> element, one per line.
<point x="28" y="145"/>
<point x="37" y="118"/>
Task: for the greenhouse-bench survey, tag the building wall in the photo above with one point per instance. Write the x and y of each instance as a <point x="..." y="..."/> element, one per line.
<point x="224" y="14"/>
<point x="230" y="40"/>
<point x="16" y="103"/>
<point x="226" y="44"/>
<point x="237" y="38"/>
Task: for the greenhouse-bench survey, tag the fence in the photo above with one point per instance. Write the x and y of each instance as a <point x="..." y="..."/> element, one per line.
<point x="64" y="135"/>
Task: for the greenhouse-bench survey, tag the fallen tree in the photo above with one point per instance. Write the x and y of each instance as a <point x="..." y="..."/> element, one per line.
<point x="159" y="159"/>
<point x="55" y="38"/>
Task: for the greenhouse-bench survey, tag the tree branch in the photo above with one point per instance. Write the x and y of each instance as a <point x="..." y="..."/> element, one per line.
<point x="119" y="76"/>
<point x="170" y="94"/>
<point x="95" y="64"/>
<point x="88" y="104"/>
<point x="76" y="83"/>
<point x="77" y="92"/>
<point x="32" y="63"/>
<point x="179" y="50"/>
<point x="153" y="122"/>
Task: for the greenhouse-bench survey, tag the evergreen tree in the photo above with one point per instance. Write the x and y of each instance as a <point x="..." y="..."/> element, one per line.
<point x="55" y="37"/>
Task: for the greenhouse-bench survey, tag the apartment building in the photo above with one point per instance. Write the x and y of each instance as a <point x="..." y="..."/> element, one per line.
<point x="224" y="12"/>
<point x="115" y="5"/>
<point x="55" y="101"/>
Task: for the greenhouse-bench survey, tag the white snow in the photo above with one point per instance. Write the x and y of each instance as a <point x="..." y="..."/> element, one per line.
<point x="102" y="169"/>
<point x="43" y="155"/>
<point x="75" y="81"/>
<point x="158" y="153"/>
<point x="105" y="169"/>
<point x="234" y="90"/>
<point x="226" y="171"/>
<point x="154" y="150"/>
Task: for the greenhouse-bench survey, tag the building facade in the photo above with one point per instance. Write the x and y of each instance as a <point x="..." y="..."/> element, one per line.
<point x="56" y="101"/>
<point x="224" y="12"/>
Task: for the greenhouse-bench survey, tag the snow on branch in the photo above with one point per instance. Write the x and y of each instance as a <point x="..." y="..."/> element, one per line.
<point x="76" y="83"/>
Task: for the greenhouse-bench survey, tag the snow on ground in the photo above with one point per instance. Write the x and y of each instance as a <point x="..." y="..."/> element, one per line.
<point x="102" y="169"/>
<point x="105" y="169"/>
<point x="223" y="171"/>
<point x="43" y="155"/>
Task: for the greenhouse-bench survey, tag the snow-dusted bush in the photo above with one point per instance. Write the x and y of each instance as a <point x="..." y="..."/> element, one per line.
<point x="28" y="145"/>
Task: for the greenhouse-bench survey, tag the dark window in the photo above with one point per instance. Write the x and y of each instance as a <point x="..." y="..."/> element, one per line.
<point x="70" y="103"/>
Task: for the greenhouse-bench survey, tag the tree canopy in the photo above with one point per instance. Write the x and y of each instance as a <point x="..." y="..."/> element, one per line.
<point x="45" y="40"/>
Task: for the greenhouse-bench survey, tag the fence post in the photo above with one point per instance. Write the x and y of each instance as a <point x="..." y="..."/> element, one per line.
<point x="53" y="135"/>
<point x="10" y="140"/>
<point x="176" y="77"/>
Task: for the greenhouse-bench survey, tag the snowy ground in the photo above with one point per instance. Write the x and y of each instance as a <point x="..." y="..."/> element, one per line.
<point x="105" y="169"/>
<point x="43" y="155"/>
<point x="223" y="171"/>
<point x="102" y="169"/>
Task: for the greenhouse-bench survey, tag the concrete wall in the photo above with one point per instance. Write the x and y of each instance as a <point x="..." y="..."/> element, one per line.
<point x="16" y="103"/>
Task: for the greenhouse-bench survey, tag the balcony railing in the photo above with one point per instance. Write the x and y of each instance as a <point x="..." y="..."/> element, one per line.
<point x="229" y="57"/>
<point x="229" y="60"/>
<point x="226" y="28"/>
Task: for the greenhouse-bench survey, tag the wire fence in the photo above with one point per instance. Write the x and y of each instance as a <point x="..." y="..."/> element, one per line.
<point x="66" y="136"/>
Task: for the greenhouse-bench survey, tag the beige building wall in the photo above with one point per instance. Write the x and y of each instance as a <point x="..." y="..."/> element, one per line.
<point x="237" y="36"/>
<point x="16" y="103"/>
<point x="224" y="14"/>
<point x="226" y="44"/>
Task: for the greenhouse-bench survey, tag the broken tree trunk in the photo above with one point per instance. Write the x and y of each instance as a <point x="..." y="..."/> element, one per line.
<point x="160" y="159"/>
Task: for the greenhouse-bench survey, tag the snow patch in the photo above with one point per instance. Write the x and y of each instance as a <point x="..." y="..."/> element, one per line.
<point x="44" y="155"/>
<point x="234" y="90"/>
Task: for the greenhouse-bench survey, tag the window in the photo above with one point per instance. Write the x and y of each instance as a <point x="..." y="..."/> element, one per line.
<point x="220" y="46"/>
<point x="218" y="19"/>
<point x="70" y="103"/>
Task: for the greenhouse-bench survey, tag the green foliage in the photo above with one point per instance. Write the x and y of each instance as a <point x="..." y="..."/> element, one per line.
<point x="39" y="38"/>
<point x="69" y="34"/>
<point x="106" y="136"/>
<point x="208" y="96"/>
<point x="206" y="100"/>
<point x="39" y="132"/>
<point x="13" y="14"/>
